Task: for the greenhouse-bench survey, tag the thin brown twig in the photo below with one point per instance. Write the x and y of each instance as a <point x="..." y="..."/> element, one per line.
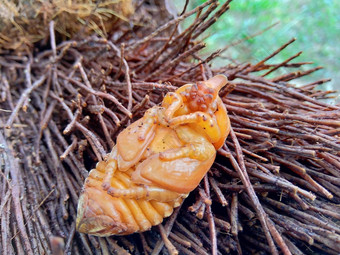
<point x="22" y="99"/>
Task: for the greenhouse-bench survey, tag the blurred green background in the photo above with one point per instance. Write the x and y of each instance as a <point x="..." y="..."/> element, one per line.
<point x="314" y="23"/>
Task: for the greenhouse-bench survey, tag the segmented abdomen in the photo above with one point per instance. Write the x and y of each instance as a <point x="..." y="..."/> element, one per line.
<point x="103" y="215"/>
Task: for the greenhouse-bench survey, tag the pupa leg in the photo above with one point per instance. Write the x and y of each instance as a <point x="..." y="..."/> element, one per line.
<point x="172" y="102"/>
<point x="195" y="146"/>
<point x="160" y="115"/>
<point x="149" y="120"/>
<point x="195" y="151"/>
<point x="110" y="170"/>
<point x="145" y="192"/>
<point x="203" y="120"/>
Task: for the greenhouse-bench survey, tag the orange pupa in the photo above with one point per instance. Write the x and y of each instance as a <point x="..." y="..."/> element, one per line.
<point x="157" y="161"/>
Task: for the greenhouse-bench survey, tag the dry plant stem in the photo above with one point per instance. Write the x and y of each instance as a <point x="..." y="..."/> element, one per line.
<point x="183" y="249"/>
<point x="196" y="245"/>
<point x="196" y="205"/>
<point x="257" y="206"/>
<point x="312" y="85"/>
<point x="294" y="75"/>
<point x="245" y="151"/>
<point x="168" y="24"/>
<point x="222" y="224"/>
<point x="52" y="40"/>
<point x="236" y="42"/>
<point x="5" y="230"/>
<point x="70" y="148"/>
<point x="146" y="247"/>
<point x="256" y="243"/>
<point x="152" y="60"/>
<point x="201" y="62"/>
<point x="175" y="61"/>
<point x="142" y="85"/>
<point x="101" y="120"/>
<point x="122" y="56"/>
<point x="200" y="18"/>
<point x="78" y="166"/>
<point x="180" y="240"/>
<point x="261" y="214"/>
<point x="16" y="194"/>
<point x="298" y="199"/>
<point x="212" y="20"/>
<point x="95" y="143"/>
<point x="28" y="81"/>
<point x="56" y="163"/>
<point x="116" y="249"/>
<point x="333" y="214"/>
<point x="293" y="227"/>
<point x="282" y="64"/>
<point x="302" y="216"/>
<point x="189" y="234"/>
<point x="234" y="215"/>
<point x="45" y="118"/>
<point x="296" y="168"/>
<point x="172" y="250"/>
<point x="127" y="72"/>
<point x="127" y="244"/>
<point x="277" y="236"/>
<point x="212" y="228"/>
<point x="103" y="246"/>
<point x="72" y="123"/>
<point x="283" y="116"/>
<point x="260" y="63"/>
<point x="22" y="99"/>
<point x="97" y="93"/>
<point x="86" y="243"/>
<point x="280" y="88"/>
<point x="69" y="239"/>
<point x="329" y="158"/>
<point x="168" y="226"/>
<point x="18" y="244"/>
<point x="218" y="192"/>
<point x="281" y="183"/>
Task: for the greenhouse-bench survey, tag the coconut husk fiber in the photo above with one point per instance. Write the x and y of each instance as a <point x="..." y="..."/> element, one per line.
<point x="23" y="23"/>
<point x="273" y="189"/>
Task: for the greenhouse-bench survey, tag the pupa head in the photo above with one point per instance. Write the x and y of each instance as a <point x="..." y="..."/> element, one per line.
<point x="202" y="95"/>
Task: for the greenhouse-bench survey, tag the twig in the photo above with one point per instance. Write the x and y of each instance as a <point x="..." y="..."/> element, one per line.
<point x="22" y="99"/>
<point x="212" y="228"/>
<point x="168" y="24"/>
<point x="172" y="250"/>
<point x="254" y="67"/>
<point x="127" y="71"/>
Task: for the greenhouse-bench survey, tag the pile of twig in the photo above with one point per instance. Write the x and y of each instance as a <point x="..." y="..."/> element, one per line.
<point x="275" y="186"/>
